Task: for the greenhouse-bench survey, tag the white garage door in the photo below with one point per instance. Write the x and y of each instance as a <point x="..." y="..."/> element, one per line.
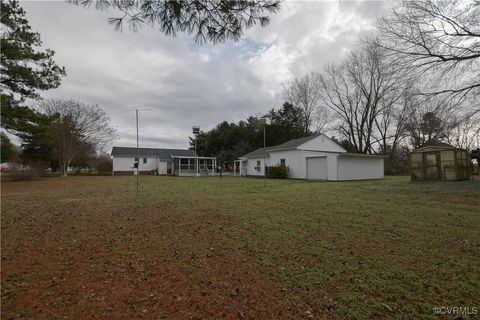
<point x="317" y="168"/>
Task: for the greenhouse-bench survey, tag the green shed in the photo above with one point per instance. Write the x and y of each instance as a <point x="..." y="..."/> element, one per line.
<point x="438" y="161"/>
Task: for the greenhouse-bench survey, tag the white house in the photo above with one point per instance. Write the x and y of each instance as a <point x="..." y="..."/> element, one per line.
<point x="315" y="157"/>
<point x="180" y="162"/>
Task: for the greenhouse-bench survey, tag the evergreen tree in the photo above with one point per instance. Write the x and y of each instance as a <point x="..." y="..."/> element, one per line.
<point x="211" y="20"/>
<point x="24" y="68"/>
<point x="36" y="139"/>
<point x="287" y="123"/>
<point x="8" y="149"/>
<point x="228" y="141"/>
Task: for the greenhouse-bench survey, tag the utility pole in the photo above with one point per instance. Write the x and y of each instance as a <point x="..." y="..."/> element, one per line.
<point x="136" y="164"/>
<point x="138" y="158"/>
<point x="264" y="154"/>
<point x="264" y="121"/>
<point x="196" y="131"/>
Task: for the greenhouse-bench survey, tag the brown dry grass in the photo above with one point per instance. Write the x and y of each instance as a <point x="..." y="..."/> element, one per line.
<point x="86" y="247"/>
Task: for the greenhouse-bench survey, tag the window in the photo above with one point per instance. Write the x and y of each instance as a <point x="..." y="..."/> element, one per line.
<point x="136" y="159"/>
<point x="282" y="162"/>
<point x="258" y="163"/>
<point x="144" y="160"/>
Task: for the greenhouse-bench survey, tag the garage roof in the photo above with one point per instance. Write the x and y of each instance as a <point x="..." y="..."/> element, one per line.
<point x="160" y="153"/>
<point x="291" y="144"/>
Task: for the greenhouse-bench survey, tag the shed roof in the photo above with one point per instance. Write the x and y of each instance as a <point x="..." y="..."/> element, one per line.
<point x="160" y="153"/>
<point x="434" y="145"/>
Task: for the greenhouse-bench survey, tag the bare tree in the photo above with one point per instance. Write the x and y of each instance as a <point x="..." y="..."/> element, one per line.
<point x="359" y="91"/>
<point x="391" y="124"/>
<point x="77" y="128"/>
<point x="305" y="93"/>
<point x="465" y="133"/>
<point x="439" y="43"/>
<point x="430" y="120"/>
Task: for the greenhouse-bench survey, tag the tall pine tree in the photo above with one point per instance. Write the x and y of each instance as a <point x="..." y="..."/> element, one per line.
<point x="25" y="68"/>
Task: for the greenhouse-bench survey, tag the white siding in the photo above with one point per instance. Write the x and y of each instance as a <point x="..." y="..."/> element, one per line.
<point x="292" y="161"/>
<point x="123" y="163"/>
<point x="296" y="161"/>
<point x="321" y="143"/>
<point x="126" y="163"/>
<point x="317" y="168"/>
<point x="357" y="168"/>
<point x="332" y="160"/>
<point x="252" y="163"/>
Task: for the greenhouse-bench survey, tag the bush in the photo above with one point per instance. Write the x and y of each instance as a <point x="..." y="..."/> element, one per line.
<point x="102" y="164"/>
<point x="20" y="172"/>
<point x="277" y="172"/>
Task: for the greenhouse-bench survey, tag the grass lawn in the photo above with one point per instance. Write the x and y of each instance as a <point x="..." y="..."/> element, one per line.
<point x="86" y="247"/>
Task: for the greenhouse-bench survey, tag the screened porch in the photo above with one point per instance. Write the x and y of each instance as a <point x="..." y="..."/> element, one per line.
<point x="191" y="166"/>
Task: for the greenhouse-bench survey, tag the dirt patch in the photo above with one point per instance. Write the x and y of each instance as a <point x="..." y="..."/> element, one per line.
<point x="150" y="261"/>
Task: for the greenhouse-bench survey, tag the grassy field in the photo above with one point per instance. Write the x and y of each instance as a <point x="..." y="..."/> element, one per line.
<point x="86" y="247"/>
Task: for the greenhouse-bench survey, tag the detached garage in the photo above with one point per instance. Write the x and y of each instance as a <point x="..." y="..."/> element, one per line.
<point x="345" y="166"/>
<point x="353" y="166"/>
<point x="313" y="158"/>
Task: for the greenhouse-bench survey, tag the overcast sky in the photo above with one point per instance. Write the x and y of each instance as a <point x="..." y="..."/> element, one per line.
<point x="186" y="84"/>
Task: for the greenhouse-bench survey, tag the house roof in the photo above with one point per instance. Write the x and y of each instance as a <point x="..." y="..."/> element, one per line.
<point x="291" y="144"/>
<point x="257" y="153"/>
<point x="160" y="153"/>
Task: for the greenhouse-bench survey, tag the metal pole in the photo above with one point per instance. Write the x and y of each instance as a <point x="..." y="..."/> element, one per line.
<point x="138" y="166"/>
<point x="196" y="160"/>
<point x="264" y="156"/>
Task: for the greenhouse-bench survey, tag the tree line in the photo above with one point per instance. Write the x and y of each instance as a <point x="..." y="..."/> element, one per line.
<point x="55" y="133"/>
<point x="60" y="133"/>
<point x="415" y="79"/>
<point x="228" y="141"/>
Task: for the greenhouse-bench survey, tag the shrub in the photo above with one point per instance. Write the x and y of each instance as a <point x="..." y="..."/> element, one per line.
<point x="20" y="172"/>
<point x="277" y="172"/>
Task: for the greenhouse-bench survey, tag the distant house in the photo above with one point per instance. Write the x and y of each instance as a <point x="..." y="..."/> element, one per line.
<point x="180" y="162"/>
<point x="315" y="157"/>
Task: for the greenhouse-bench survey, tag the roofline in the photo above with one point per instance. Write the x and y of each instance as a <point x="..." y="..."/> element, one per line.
<point x="346" y="154"/>
<point x="363" y="155"/>
<point x="193" y="157"/>
<point x="308" y="150"/>
<point x="437" y="147"/>
<point x="255" y="157"/>
<point x="274" y="149"/>
<point x="141" y="156"/>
